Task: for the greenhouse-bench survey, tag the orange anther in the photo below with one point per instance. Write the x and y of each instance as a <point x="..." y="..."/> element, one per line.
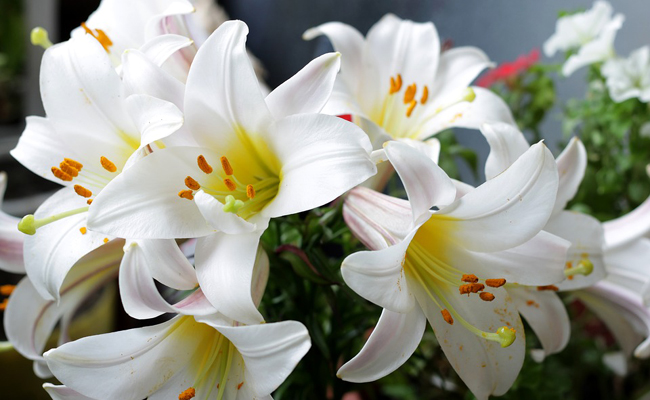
<point x="409" y="93"/>
<point x="82" y="191"/>
<point x="250" y="191"/>
<point x="3" y="305"/>
<point x="225" y="164"/>
<point x="485" y="296"/>
<point x="393" y="83"/>
<point x="398" y="83"/>
<point x="75" y="164"/>
<point x="230" y="184"/>
<point x="7" y="290"/>
<point x="69" y="169"/>
<point x="192" y="184"/>
<point x="548" y="287"/>
<point x="471" y="288"/>
<point x="240" y="385"/>
<point x="89" y="201"/>
<point x="203" y="164"/>
<point x="105" y="240"/>
<point x="83" y="230"/>
<point x="469" y="278"/>
<point x="61" y="175"/>
<point x="495" y="282"/>
<point x="99" y="34"/>
<point x="425" y="95"/>
<point x="107" y="164"/>
<point x="187" y="394"/>
<point x="447" y="317"/>
<point x="411" y="107"/>
<point x="186" y="194"/>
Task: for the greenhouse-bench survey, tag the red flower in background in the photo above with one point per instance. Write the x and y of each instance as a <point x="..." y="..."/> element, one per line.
<point x="509" y="70"/>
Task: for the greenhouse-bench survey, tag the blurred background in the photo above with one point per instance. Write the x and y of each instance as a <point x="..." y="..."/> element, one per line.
<point x="503" y="29"/>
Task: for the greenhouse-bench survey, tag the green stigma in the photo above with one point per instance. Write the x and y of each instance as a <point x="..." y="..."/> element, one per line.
<point x="584" y="267"/>
<point x="39" y="37"/>
<point x="232" y="205"/>
<point x="28" y="225"/>
<point x="470" y="95"/>
<point x="506" y="336"/>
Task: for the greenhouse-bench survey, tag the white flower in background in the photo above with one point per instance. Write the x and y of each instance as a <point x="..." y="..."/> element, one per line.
<point x="622" y="300"/>
<point x="429" y="264"/>
<point x="87" y="139"/>
<point x="584" y="264"/>
<point x="396" y="83"/>
<point x="630" y="77"/>
<point x="257" y="159"/>
<point x="591" y="32"/>
<point x="184" y="358"/>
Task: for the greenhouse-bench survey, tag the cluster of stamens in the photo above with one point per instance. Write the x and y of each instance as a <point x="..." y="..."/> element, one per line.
<point x="70" y="169"/>
<point x="409" y="93"/>
<point x="233" y="186"/>
<point x="472" y="286"/>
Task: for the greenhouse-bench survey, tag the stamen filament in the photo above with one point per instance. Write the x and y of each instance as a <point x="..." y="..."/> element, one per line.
<point x="28" y="225"/>
<point x="226" y="371"/>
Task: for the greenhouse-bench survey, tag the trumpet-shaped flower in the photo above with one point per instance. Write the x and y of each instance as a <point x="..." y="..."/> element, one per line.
<point x="452" y="266"/>
<point x="630" y="77"/>
<point x="397" y="83"/>
<point x="257" y="159"/>
<point x="87" y="139"/>
<point x="592" y="31"/>
<point x="584" y="264"/>
<point x="186" y="357"/>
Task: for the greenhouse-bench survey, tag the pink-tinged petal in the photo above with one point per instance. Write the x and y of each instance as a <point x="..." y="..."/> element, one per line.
<point x="513" y="207"/>
<point x="155" y="118"/>
<point x="426" y="184"/>
<point x="143" y="202"/>
<point x="586" y="236"/>
<point x="321" y="156"/>
<point x="627" y="266"/>
<point x="141" y="75"/>
<point x="56" y="247"/>
<point x="571" y="166"/>
<point x="223" y="95"/>
<point x="391" y="343"/>
<point x="546" y="315"/>
<point x="268" y="362"/>
<point x="392" y="44"/>
<point x="483" y="365"/>
<point x="160" y="48"/>
<point x="376" y="219"/>
<point x="538" y="262"/>
<point x="347" y="41"/>
<point x="378" y="276"/>
<point x="224" y="267"/>
<point x="623" y="313"/>
<point x="507" y="144"/>
<point x="308" y="90"/>
<point x="60" y="392"/>
<point x="29" y="319"/>
<point x="631" y="226"/>
<point x="11" y="240"/>
<point x="220" y="220"/>
<point x="457" y="69"/>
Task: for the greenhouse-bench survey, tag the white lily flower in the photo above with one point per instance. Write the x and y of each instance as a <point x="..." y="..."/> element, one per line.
<point x="11" y="241"/>
<point x="397" y="83"/>
<point x="622" y="300"/>
<point x="424" y="261"/>
<point x="29" y="320"/>
<point x="592" y="31"/>
<point x="258" y="159"/>
<point x="186" y="357"/>
<point x="87" y="138"/>
<point x="630" y="77"/>
<point x="584" y="264"/>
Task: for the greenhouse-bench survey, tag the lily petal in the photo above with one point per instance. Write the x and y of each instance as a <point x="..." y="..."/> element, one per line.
<point x="426" y="184"/>
<point x="61" y="392"/>
<point x="571" y="166"/>
<point x="156" y="119"/>
<point x="629" y="227"/>
<point x="457" y="69"/>
<point x="11" y="240"/>
<point x="160" y="48"/>
<point x="212" y="211"/>
<point x="507" y="144"/>
<point x="390" y="344"/>
<point x="308" y="90"/>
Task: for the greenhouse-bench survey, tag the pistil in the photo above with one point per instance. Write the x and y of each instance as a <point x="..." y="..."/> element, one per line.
<point x="28" y="225"/>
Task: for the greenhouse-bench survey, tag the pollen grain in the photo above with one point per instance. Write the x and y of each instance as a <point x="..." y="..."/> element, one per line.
<point x="447" y="317"/>
<point x="187" y="394"/>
